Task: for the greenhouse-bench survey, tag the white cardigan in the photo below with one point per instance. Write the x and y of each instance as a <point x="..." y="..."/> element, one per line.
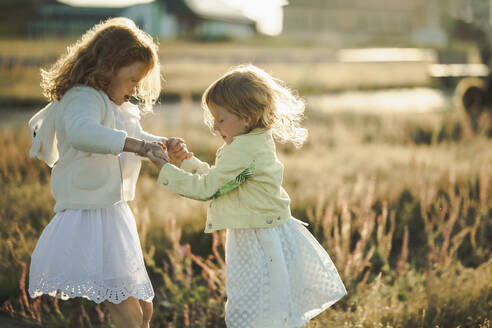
<point x="78" y="133"/>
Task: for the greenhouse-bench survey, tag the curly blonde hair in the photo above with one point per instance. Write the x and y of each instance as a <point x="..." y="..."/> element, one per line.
<point x="260" y="99"/>
<point x="98" y="55"/>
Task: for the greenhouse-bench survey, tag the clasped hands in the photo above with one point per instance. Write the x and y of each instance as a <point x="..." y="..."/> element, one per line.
<point x="174" y="151"/>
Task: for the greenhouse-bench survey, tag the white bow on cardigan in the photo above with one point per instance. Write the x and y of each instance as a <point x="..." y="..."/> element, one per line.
<point x="42" y="126"/>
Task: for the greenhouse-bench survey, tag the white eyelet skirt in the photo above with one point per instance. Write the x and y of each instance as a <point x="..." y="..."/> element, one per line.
<point x="277" y="277"/>
<point x="94" y="254"/>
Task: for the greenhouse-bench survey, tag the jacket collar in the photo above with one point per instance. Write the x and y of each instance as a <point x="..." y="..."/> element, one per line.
<point x="255" y="131"/>
<point x="259" y="131"/>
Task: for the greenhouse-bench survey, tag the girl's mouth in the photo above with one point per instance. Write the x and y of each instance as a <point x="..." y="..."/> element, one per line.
<point x="127" y="98"/>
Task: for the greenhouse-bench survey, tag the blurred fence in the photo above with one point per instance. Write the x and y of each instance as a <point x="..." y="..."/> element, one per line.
<point x="10" y="63"/>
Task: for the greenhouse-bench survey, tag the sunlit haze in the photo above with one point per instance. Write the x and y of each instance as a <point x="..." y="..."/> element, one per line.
<point x="267" y="15"/>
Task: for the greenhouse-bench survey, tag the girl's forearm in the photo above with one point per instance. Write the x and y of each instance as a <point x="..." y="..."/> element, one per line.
<point x="133" y="145"/>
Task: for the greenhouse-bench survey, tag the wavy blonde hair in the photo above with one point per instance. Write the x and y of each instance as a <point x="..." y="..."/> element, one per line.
<point x="260" y="99"/>
<point x="98" y="55"/>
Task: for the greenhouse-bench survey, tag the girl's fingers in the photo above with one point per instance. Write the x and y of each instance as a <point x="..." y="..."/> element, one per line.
<point x="181" y="148"/>
<point x="176" y="146"/>
<point x="162" y="145"/>
<point x="177" y="149"/>
<point x="176" y="141"/>
<point x="182" y="153"/>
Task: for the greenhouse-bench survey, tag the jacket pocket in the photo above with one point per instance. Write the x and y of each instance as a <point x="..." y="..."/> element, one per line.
<point x="89" y="173"/>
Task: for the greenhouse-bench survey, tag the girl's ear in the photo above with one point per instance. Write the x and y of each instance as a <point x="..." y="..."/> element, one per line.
<point x="248" y="123"/>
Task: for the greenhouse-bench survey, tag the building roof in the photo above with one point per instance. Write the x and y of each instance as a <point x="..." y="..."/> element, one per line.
<point x="217" y="9"/>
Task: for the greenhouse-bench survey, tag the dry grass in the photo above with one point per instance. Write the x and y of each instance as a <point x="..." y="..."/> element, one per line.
<point x="406" y="219"/>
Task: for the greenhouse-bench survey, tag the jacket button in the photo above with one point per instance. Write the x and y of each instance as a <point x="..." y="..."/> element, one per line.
<point x="269" y="220"/>
<point x="210" y="225"/>
<point x="165" y="182"/>
<point x="278" y="218"/>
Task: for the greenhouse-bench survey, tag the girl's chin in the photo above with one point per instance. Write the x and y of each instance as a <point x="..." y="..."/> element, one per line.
<point x="121" y="101"/>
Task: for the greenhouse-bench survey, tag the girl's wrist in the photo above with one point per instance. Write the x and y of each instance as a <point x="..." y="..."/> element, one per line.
<point x="135" y="146"/>
<point x="142" y="149"/>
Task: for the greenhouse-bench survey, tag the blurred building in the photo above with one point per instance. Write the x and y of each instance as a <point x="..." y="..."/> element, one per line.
<point x="167" y="19"/>
<point x="421" y="22"/>
<point x="364" y="20"/>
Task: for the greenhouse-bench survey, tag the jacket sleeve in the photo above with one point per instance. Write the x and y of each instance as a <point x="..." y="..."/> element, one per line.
<point x="82" y="120"/>
<point x="194" y="165"/>
<point x="230" y="171"/>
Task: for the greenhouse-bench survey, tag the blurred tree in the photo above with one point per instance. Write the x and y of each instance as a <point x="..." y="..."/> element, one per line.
<point x="15" y="16"/>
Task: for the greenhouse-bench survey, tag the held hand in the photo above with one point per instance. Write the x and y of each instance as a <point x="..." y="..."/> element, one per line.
<point x="158" y="156"/>
<point x="177" y="151"/>
<point x="150" y="146"/>
<point x="159" y="150"/>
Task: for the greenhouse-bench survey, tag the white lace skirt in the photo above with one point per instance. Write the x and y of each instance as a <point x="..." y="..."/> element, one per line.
<point x="94" y="254"/>
<point x="277" y="277"/>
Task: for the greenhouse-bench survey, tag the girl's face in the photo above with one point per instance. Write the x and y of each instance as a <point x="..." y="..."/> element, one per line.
<point x="124" y="83"/>
<point x="227" y="124"/>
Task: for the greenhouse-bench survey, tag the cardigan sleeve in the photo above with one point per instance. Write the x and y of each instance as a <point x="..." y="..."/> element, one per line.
<point x="231" y="170"/>
<point x="82" y="118"/>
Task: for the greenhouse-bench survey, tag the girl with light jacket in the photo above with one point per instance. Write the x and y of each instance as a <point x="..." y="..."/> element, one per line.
<point x="278" y="275"/>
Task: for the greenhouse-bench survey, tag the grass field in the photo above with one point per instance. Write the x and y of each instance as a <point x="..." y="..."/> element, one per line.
<point x="189" y="68"/>
<point x="402" y="203"/>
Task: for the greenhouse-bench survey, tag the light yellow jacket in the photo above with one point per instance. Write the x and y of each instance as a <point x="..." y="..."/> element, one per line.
<point x="244" y="185"/>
